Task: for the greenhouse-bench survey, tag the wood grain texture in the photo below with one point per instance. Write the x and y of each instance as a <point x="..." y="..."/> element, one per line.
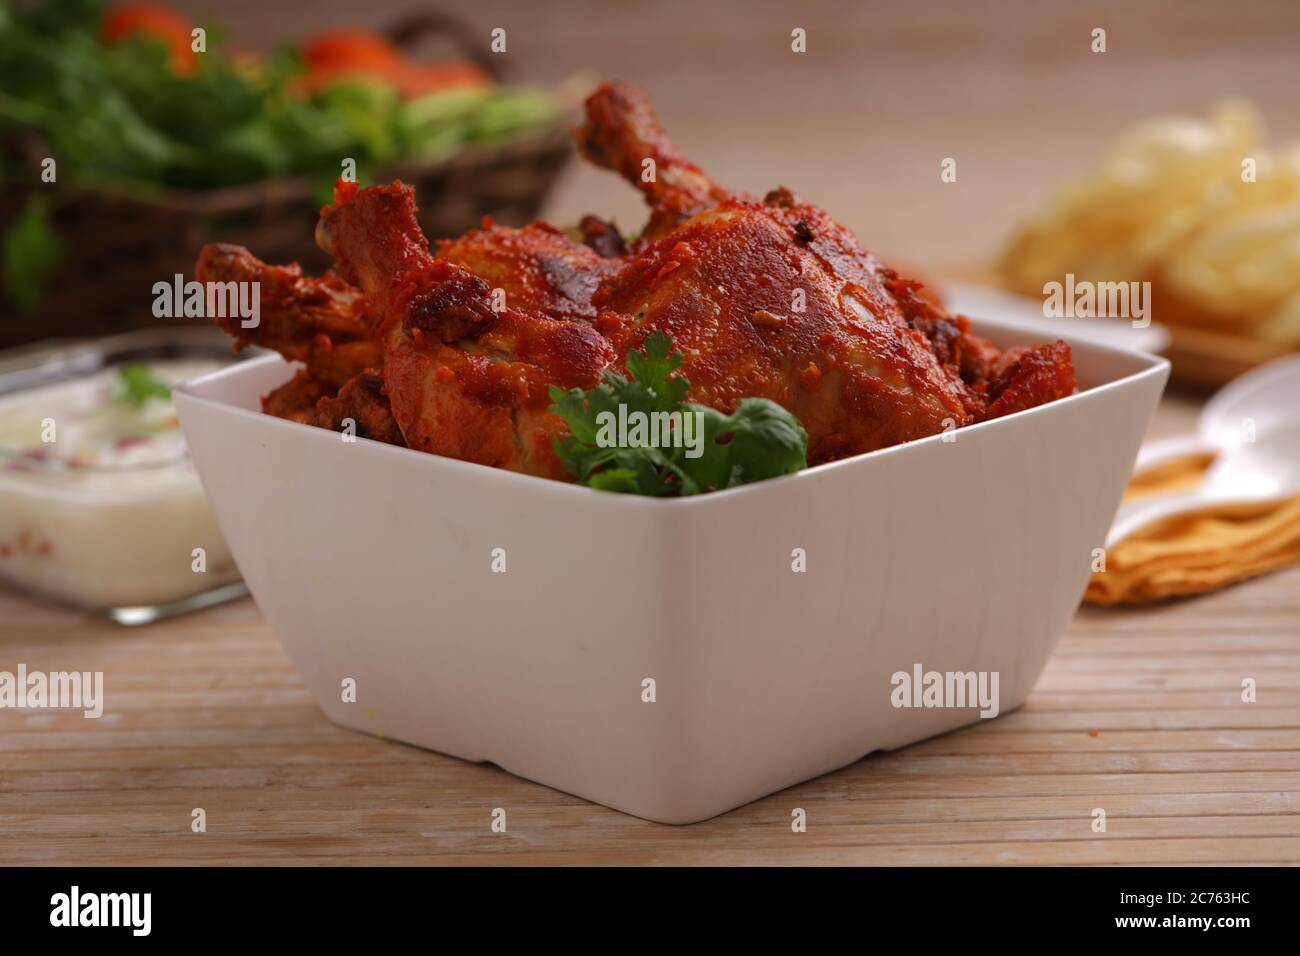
<point x="1139" y="712"/>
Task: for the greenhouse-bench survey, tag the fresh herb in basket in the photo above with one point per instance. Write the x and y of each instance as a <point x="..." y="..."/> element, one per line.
<point x="121" y="101"/>
<point x="129" y="102"/>
<point x="29" y="254"/>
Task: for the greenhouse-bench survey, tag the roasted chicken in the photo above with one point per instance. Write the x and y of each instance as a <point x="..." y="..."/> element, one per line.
<point x="452" y="350"/>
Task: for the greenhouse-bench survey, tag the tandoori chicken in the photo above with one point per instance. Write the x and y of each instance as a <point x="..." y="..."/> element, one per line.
<point x="453" y="349"/>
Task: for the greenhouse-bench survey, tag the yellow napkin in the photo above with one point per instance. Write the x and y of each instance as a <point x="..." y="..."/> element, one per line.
<point x="1194" y="553"/>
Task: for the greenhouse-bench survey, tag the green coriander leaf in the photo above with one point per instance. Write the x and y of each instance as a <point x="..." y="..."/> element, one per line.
<point x="766" y="441"/>
<point x="713" y="468"/>
<point x="616" y="479"/>
<point x="652" y="371"/>
<point x="759" y="440"/>
<point x="136" y="385"/>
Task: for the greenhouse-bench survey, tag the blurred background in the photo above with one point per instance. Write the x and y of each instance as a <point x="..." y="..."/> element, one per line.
<point x="859" y="123"/>
<point x="886" y="90"/>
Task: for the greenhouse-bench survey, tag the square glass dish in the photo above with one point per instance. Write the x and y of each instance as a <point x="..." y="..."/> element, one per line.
<point x="671" y="658"/>
<point x="101" y="508"/>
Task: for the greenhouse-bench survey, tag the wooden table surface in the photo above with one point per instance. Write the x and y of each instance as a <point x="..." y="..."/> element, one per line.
<point x="1139" y="713"/>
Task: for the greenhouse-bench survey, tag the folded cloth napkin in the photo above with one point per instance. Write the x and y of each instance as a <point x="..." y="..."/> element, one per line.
<point x="1197" y="552"/>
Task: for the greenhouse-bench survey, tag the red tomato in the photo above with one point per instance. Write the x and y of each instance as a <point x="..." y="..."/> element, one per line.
<point x="336" y="55"/>
<point x="156" y="21"/>
<point x="352" y="50"/>
<point x="417" y="79"/>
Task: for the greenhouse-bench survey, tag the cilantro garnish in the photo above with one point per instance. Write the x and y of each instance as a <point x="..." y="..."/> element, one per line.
<point x="759" y="440"/>
<point x="136" y="385"/>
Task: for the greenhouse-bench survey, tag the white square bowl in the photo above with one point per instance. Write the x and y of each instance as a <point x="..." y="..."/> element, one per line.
<point x="376" y="563"/>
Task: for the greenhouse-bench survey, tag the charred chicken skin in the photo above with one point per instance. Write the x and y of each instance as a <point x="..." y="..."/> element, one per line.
<point x="468" y="376"/>
<point x="453" y="350"/>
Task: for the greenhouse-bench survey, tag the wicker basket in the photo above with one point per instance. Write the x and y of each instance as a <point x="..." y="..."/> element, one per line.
<point x="116" y="246"/>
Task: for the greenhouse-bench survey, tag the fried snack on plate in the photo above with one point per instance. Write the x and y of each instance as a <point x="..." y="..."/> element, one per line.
<point x="1174" y="203"/>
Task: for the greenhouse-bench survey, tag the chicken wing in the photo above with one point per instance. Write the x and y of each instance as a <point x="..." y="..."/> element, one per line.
<point x="318" y="321"/>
